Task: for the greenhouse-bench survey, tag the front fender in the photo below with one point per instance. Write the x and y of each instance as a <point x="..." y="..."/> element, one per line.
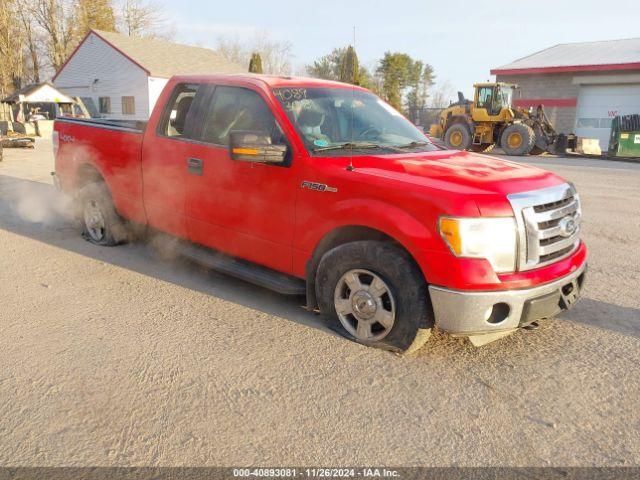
<point x="416" y="235"/>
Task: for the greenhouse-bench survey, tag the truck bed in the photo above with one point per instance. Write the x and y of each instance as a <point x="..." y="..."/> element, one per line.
<point x="111" y="149"/>
<point x="134" y="126"/>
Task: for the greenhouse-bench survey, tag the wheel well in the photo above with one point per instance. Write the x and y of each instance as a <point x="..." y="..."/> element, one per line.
<point x="452" y="120"/>
<point x="87" y="174"/>
<point x="335" y="238"/>
<point x="499" y="131"/>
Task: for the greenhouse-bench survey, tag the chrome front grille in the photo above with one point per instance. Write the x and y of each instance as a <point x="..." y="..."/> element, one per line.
<point x="548" y="224"/>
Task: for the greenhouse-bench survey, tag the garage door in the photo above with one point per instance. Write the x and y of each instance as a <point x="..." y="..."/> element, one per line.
<point x="598" y="104"/>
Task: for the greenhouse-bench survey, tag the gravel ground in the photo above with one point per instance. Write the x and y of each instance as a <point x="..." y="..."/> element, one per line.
<point x="129" y="356"/>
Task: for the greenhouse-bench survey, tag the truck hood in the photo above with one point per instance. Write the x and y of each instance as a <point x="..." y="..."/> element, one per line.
<point x="458" y="172"/>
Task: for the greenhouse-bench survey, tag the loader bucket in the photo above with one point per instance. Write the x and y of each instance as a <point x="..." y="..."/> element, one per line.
<point x="435" y="130"/>
<point x="559" y="146"/>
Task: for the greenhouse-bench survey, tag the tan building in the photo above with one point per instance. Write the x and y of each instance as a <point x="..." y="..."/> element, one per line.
<point x="582" y="85"/>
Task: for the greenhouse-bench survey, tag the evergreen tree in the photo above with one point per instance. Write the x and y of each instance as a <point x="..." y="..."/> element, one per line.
<point x="255" y="64"/>
<point x="421" y="78"/>
<point x="402" y="81"/>
<point x="405" y="82"/>
<point x="395" y="70"/>
<point x="327" y="66"/>
<point x="349" y="67"/>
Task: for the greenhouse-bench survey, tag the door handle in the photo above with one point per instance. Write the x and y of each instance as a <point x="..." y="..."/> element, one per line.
<point x="194" y="166"/>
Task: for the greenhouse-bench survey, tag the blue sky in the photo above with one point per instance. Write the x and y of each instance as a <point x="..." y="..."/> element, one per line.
<point x="462" y="40"/>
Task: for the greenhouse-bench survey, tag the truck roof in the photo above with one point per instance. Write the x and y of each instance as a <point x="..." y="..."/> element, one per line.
<point x="271" y="81"/>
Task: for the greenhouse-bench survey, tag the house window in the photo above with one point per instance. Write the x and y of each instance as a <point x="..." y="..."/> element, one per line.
<point x="128" y="105"/>
<point x="104" y="104"/>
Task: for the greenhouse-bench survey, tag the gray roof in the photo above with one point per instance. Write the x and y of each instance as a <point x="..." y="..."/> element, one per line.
<point x="610" y="52"/>
<point x="165" y="59"/>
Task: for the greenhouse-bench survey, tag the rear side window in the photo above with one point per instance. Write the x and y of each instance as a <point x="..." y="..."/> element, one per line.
<point x="237" y="109"/>
<point x="179" y="111"/>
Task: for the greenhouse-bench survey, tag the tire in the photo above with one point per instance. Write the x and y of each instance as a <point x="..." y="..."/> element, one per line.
<point x="404" y="305"/>
<point x="99" y="222"/>
<point x="457" y="137"/>
<point x="517" y="139"/>
<point x="484" y="148"/>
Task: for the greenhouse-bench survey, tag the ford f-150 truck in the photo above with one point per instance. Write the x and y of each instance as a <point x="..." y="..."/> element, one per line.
<point x="318" y="188"/>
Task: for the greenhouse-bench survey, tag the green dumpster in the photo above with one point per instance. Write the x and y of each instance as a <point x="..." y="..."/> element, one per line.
<point x="625" y="136"/>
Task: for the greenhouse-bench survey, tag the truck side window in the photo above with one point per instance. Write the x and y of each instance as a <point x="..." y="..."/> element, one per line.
<point x="236" y="108"/>
<point x="175" y="117"/>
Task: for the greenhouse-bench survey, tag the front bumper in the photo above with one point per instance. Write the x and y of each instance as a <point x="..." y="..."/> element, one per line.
<point x="468" y="313"/>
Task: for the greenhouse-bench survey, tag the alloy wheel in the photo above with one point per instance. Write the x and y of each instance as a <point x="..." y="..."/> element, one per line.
<point x="365" y="305"/>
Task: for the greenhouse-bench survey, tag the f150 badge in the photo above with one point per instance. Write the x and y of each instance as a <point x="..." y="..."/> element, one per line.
<point x="318" y="187"/>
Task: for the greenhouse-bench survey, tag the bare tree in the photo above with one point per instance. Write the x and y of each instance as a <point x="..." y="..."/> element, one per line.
<point x="30" y="39"/>
<point x="55" y="19"/>
<point x="11" y="53"/>
<point x="276" y="55"/>
<point x="92" y="14"/>
<point x="144" y="18"/>
<point x="442" y="95"/>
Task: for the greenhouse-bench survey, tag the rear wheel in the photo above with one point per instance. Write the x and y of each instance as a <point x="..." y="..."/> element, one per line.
<point x="373" y="293"/>
<point x="517" y="139"/>
<point x="99" y="222"/>
<point x="457" y="137"/>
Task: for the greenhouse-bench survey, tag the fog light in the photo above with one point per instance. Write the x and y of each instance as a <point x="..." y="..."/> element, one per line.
<point x="498" y="313"/>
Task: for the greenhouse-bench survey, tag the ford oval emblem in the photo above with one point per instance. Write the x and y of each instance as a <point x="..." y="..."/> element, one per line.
<point x="567" y="226"/>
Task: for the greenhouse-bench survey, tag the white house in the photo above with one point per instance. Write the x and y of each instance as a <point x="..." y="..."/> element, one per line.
<point x="121" y="77"/>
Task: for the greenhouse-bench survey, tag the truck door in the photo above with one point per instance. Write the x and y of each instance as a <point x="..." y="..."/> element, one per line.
<point x="165" y="161"/>
<point x="244" y="209"/>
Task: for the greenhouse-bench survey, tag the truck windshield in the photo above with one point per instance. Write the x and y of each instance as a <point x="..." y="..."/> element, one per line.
<point x="331" y="119"/>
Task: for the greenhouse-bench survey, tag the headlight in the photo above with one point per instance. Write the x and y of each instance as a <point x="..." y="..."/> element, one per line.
<point x="493" y="239"/>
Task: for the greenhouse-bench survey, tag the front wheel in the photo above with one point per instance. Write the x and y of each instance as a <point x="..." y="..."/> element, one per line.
<point x="374" y="293"/>
<point x="517" y="139"/>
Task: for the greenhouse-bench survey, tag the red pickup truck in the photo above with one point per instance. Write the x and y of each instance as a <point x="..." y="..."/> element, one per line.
<point x="320" y="188"/>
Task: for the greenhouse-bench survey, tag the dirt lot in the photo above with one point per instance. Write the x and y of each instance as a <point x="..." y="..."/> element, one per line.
<point x="114" y="356"/>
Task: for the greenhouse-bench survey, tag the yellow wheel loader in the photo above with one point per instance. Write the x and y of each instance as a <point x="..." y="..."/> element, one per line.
<point x="492" y="120"/>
